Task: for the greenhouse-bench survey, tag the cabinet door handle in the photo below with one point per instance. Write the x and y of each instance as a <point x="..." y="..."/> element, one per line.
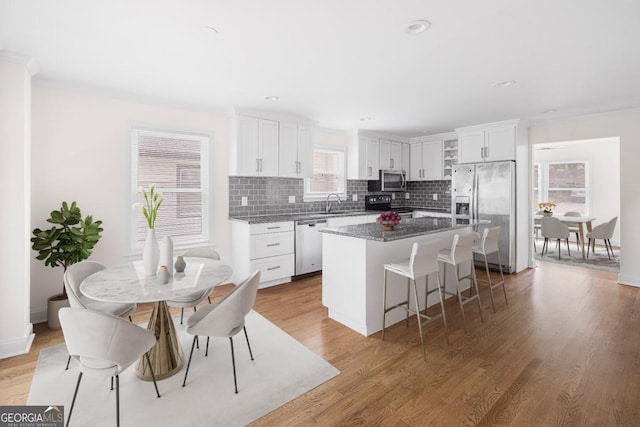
<point x="273" y="268"/>
<point x="369" y="171"/>
<point x="391" y="163"/>
<point x="273" y="244"/>
<point x="260" y="165"/>
<point x="257" y="165"/>
<point x="273" y="228"/>
<point x="486" y="152"/>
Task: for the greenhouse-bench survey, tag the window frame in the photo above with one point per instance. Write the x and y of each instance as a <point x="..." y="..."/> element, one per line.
<point x="205" y="237"/>
<point x="313" y="197"/>
<point x="543" y="174"/>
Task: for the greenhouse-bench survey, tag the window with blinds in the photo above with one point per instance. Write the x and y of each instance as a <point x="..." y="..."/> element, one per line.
<point x="329" y="174"/>
<point x="177" y="163"/>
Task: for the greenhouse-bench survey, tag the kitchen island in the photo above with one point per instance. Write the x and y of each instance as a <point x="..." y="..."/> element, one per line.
<point x="353" y="268"/>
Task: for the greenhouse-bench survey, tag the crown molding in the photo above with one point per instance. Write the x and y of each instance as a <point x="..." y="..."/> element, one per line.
<point x="17" y="58"/>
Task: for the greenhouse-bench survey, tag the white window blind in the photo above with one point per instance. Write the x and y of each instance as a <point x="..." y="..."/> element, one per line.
<point x="329" y="174"/>
<point x="177" y="163"/>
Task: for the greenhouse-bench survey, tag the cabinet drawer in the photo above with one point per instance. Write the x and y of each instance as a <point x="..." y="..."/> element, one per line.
<point x="268" y="245"/>
<point x="275" y="267"/>
<point x="272" y="227"/>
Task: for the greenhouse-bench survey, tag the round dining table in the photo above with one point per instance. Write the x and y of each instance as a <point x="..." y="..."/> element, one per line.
<point x="128" y="283"/>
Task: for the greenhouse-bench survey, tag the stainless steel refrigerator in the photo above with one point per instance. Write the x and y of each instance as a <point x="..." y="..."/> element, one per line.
<point x="488" y="191"/>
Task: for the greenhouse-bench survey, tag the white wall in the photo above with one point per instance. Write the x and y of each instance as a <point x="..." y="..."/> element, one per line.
<point x="603" y="156"/>
<point x="624" y="125"/>
<point x="16" y="331"/>
<point x="81" y="152"/>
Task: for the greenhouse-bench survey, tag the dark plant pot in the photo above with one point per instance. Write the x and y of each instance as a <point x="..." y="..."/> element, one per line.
<point x="54" y="304"/>
<point x="547" y="213"/>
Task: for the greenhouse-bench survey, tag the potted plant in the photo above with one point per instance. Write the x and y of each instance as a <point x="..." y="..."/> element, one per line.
<point x="71" y="239"/>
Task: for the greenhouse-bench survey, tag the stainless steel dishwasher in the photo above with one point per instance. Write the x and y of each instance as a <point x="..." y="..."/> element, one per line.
<point x="309" y="245"/>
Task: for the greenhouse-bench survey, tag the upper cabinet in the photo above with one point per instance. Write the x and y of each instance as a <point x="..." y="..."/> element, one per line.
<point x="270" y="146"/>
<point x="487" y="143"/>
<point x="390" y="155"/>
<point x="426" y="161"/>
<point x="450" y="153"/>
<point x="296" y="150"/>
<point x="255" y="147"/>
<point x="363" y="153"/>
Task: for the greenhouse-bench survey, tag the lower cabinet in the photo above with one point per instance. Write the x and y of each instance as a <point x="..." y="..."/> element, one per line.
<point x="265" y="247"/>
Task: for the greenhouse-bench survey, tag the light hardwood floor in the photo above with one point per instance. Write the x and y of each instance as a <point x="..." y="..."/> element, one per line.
<point x="565" y="351"/>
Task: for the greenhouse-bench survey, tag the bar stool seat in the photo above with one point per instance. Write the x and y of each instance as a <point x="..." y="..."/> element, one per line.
<point x="461" y="252"/>
<point x="422" y="262"/>
<point x="488" y="244"/>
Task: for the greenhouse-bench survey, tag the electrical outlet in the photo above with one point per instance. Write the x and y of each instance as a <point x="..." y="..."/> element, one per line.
<point x="406" y="196"/>
<point x="354" y="197"/>
<point x="393" y="196"/>
<point x="435" y="196"/>
<point x="292" y="199"/>
<point x="245" y="200"/>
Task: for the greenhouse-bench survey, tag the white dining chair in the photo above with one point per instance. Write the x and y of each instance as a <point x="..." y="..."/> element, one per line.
<point x="104" y="345"/>
<point x="603" y="231"/>
<point x="72" y="280"/>
<point x="574" y="227"/>
<point x="422" y="262"/>
<point x="553" y="228"/>
<point x="192" y="300"/>
<point x="537" y="225"/>
<point x="225" y="319"/>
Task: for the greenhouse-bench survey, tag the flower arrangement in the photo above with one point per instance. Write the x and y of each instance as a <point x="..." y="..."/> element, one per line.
<point x="547" y="207"/>
<point x="389" y="218"/>
<point x="152" y="201"/>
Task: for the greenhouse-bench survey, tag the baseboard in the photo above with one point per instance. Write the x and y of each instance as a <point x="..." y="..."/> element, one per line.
<point x="16" y="347"/>
<point x="624" y="279"/>
<point x="38" y="315"/>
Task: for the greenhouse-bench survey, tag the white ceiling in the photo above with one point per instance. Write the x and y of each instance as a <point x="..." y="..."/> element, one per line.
<point x="335" y="61"/>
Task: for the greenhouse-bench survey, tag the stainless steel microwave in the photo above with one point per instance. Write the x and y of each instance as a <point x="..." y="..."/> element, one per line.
<point x="389" y="180"/>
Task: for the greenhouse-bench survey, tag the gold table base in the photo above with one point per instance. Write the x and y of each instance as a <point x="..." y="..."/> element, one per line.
<point x="166" y="355"/>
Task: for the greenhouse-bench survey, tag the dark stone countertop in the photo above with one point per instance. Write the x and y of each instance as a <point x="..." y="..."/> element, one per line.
<point x="265" y="219"/>
<point x="406" y="229"/>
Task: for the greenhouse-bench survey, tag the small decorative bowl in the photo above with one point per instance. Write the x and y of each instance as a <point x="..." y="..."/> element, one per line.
<point x="389" y="225"/>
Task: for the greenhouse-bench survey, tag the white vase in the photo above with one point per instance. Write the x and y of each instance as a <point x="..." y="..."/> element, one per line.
<point x="151" y="253"/>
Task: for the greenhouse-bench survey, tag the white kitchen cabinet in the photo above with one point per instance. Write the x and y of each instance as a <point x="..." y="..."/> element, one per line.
<point x="255" y="147"/>
<point x="450" y="157"/>
<point x="390" y="155"/>
<point x="296" y="150"/>
<point x="269" y="248"/>
<point x="493" y="142"/>
<point x="363" y="157"/>
<point x="406" y="158"/>
<point x="426" y="161"/>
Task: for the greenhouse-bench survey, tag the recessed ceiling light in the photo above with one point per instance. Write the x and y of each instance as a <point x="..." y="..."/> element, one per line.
<point x="549" y="111"/>
<point x="365" y="119"/>
<point x="505" y="83"/>
<point x="271" y="98"/>
<point x="418" y="27"/>
<point x="211" y="29"/>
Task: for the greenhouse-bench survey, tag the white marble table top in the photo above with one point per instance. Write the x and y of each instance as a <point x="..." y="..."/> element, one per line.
<point x="127" y="283"/>
<point x="576" y="219"/>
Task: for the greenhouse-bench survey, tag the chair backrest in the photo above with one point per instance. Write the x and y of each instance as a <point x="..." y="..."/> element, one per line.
<point x="94" y="338"/>
<point x="462" y="247"/>
<point x="604" y="230"/>
<point x="490" y="238"/>
<point x="74" y="276"/>
<point x="203" y="253"/>
<point x="612" y="227"/>
<point x="572" y="213"/>
<point x="228" y="316"/>
<point x="553" y="228"/>
<point x="424" y="258"/>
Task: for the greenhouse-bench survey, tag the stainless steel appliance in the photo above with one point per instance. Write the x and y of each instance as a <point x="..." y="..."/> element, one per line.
<point x="309" y="245"/>
<point x="382" y="202"/>
<point x="488" y="191"/>
<point x="389" y="181"/>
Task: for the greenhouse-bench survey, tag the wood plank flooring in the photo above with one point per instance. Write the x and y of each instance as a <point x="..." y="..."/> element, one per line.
<point x="564" y="352"/>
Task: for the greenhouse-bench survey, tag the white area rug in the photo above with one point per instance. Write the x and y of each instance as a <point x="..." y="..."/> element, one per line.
<point x="282" y="370"/>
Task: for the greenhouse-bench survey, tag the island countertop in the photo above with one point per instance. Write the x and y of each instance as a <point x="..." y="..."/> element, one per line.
<point x="407" y="228"/>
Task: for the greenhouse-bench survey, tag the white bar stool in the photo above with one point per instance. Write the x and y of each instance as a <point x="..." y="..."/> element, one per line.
<point x="423" y="262"/>
<point x="488" y="245"/>
<point x="461" y="251"/>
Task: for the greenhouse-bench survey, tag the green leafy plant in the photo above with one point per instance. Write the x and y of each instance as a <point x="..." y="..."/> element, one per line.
<point x="70" y="240"/>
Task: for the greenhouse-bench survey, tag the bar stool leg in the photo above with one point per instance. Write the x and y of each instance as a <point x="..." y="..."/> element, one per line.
<point x="408" y="302"/>
<point x="504" y="288"/>
<point x="384" y="301"/>
<point x="486" y="267"/>
<point x="456" y="274"/>
<point x="415" y="295"/>
<point x="475" y="283"/>
<point x="444" y="316"/>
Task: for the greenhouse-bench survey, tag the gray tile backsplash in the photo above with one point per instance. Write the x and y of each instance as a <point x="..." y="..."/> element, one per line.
<point x="270" y="196"/>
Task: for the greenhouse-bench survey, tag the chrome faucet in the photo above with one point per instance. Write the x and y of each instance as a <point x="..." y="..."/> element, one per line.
<point x="328" y="207"/>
